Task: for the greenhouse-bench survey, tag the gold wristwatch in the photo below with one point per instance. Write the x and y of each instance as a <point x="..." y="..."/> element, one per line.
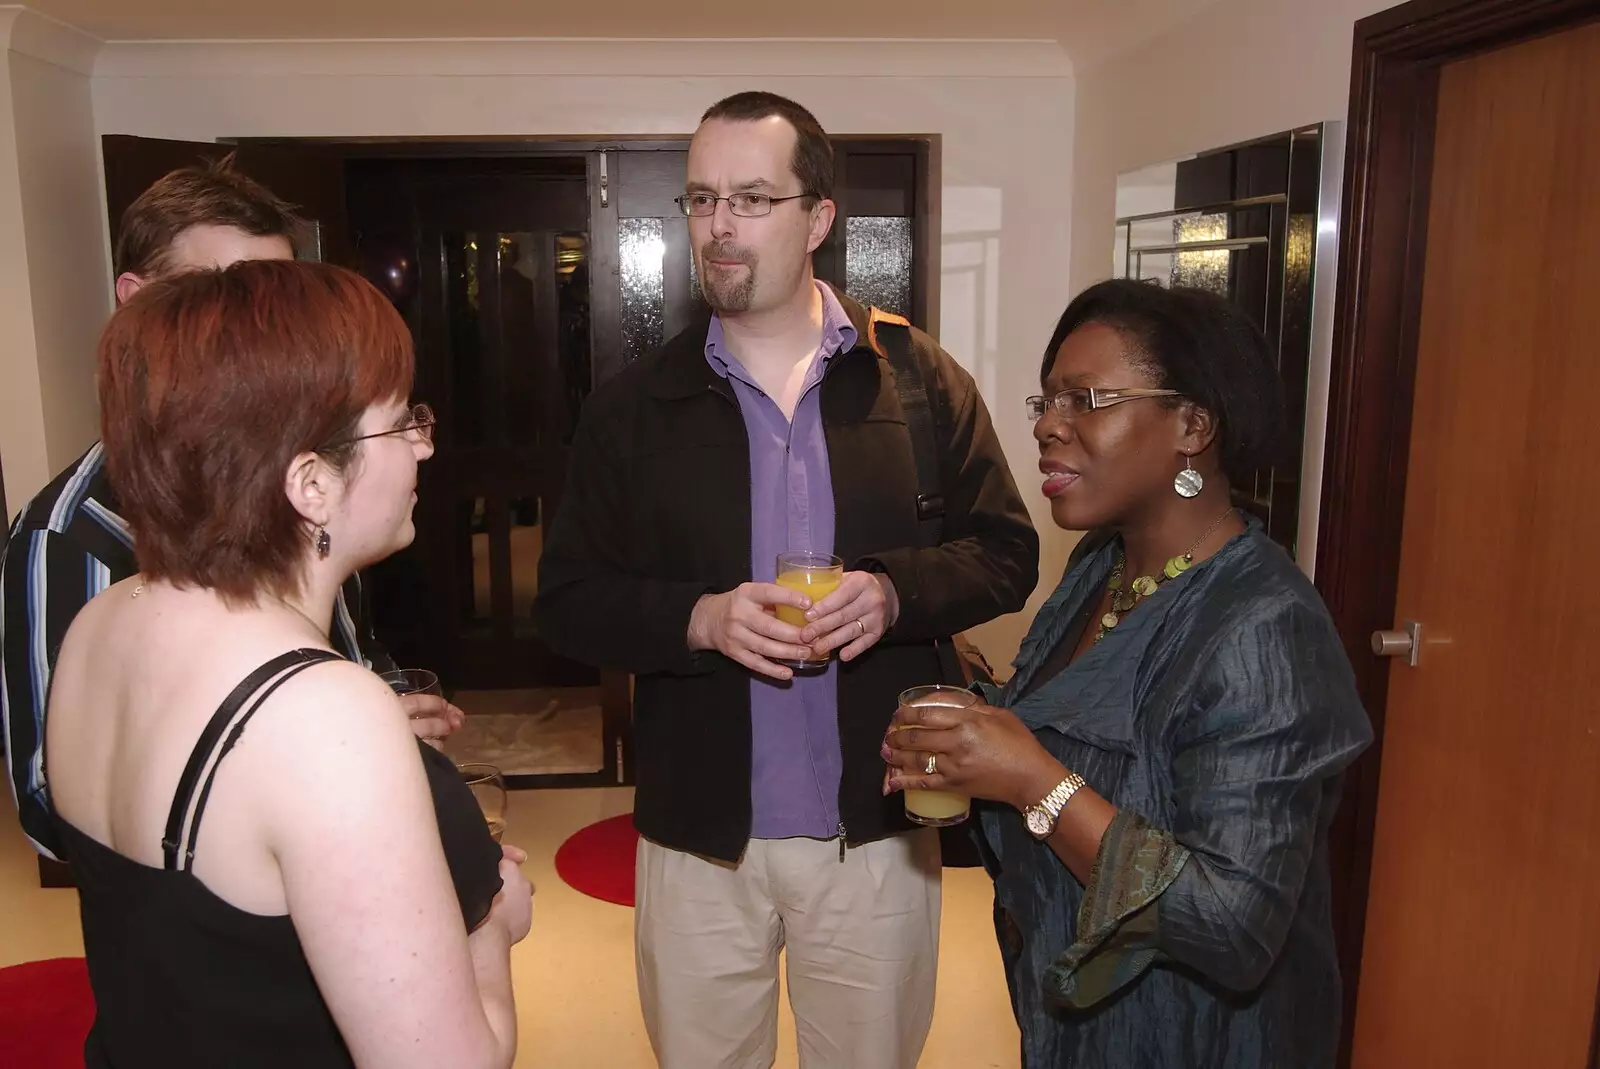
<point x="1041" y="817"/>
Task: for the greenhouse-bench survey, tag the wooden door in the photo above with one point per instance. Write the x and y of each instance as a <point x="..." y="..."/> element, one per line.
<point x="1466" y="498"/>
<point x="1483" y="924"/>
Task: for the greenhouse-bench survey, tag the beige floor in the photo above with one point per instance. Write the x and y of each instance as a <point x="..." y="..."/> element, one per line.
<point x="574" y="974"/>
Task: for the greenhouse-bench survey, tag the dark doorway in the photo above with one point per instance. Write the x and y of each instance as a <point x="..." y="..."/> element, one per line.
<point x="530" y="271"/>
<point x="489" y="260"/>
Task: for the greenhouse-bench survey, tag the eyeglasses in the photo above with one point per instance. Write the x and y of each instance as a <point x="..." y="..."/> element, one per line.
<point x="1081" y="400"/>
<point x="748" y="205"/>
<point x="419" y="418"/>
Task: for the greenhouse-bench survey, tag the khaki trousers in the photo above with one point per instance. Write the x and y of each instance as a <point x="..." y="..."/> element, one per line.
<point x="862" y="943"/>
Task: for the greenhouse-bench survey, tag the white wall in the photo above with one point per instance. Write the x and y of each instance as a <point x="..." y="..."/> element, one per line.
<point x="1243" y="69"/>
<point x="1031" y="152"/>
<point x="58" y="163"/>
<point x="53" y="260"/>
<point x="1003" y="111"/>
<point x="1240" y="70"/>
<point x="22" y="441"/>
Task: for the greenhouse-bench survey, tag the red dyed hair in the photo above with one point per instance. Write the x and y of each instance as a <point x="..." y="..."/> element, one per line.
<point x="211" y="383"/>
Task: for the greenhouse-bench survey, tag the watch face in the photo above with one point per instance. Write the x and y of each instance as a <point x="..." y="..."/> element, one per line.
<point x="1039" y="822"/>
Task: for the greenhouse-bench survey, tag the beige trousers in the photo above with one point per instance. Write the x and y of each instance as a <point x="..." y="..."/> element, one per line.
<point x="862" y="943"/>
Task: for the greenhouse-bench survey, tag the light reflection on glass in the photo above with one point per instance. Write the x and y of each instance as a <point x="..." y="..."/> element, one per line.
<point x="643" y="254"/>
<point x="1206" y="269"/>
<point x="877" y="254"/>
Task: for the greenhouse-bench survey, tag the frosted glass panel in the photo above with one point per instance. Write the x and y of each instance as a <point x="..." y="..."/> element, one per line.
<point x="643" y="249"/>
<point x="1205" y="269"/>
<point x="877" y="267"/>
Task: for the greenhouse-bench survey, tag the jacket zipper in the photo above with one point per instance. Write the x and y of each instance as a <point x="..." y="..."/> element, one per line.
<point x="841" y="842"/>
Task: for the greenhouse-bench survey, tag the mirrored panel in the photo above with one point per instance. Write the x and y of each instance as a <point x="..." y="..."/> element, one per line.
<point x="521" y="279"/>
<point x="472" y="525"/>
<point x="464" y="333"/>
<point x="1244" y="222"/>
<point x="527" y="543"/>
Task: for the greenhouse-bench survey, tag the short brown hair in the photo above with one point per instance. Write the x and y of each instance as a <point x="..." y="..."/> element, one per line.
<point x="211" y="383"/>
<point x="208" y="194"/>
<point x="813" y="152"/>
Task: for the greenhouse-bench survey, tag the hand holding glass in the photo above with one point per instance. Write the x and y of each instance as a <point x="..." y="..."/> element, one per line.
<point x="936" y="809"/>
<point x="816" y="575"/>
<point x="415" y="681"/>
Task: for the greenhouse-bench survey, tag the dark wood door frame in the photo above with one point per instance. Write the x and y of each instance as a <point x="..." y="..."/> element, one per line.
<point x="1388" y="171"/>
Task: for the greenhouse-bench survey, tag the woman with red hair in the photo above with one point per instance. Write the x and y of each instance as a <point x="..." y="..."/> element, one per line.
<point x="273" y="869"/>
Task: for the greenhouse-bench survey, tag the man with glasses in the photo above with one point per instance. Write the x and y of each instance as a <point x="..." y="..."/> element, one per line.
<point x="777" y="426"/>
<point x="69" y="543"/>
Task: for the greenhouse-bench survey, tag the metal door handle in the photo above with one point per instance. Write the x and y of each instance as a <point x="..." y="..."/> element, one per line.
<point x="1406" y="643"/>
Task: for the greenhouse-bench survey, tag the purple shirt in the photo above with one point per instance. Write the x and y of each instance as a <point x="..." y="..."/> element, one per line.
<point x="795" y="761"/>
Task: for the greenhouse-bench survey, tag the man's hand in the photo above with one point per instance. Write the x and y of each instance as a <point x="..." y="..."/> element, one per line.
<point x="432" y="718"/>
<point x="855" y="616"/>
<point x="739" y="625"/>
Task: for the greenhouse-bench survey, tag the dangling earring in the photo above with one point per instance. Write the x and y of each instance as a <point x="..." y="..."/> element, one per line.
<point x="1188" y="482"/>
<point x="324" y="543"/>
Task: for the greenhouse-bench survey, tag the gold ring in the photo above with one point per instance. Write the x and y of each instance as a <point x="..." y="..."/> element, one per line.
<point x="932" y="767"/>
<point x="863" y="628"/>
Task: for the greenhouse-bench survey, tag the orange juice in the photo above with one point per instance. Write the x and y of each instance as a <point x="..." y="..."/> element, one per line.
<point x="937" y="809"/>
<point x="816" y="575"/>
<point x="815" y="585"/>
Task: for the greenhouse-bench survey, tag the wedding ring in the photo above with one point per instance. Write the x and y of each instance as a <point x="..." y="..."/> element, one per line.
<point x="932" y="767"/>
<point x="863" y="629"/>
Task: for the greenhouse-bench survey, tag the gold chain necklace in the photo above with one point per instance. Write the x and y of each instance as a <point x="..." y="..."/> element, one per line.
<point x="1123" y="601"/>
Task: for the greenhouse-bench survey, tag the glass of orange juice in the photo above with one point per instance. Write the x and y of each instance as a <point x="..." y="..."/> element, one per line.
<point x="937" y="809"/>
<point x="816" y="575"/>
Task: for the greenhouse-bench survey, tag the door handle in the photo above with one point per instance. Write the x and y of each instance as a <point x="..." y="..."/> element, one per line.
<point x="1406" y="643"/>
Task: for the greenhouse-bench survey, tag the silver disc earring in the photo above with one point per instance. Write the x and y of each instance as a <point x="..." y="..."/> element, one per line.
<point x="1188" y="482"/>
<point x="324" y="543"/>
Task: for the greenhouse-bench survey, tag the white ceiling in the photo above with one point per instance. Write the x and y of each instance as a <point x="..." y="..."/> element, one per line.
<point x="1087" y="28"/>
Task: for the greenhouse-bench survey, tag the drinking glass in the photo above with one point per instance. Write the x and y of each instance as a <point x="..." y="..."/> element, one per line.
<point x="488" y="786"/>
<point x="937" y="809"/>
<point x="415" y="681"/>
<point x="816" y="575"/>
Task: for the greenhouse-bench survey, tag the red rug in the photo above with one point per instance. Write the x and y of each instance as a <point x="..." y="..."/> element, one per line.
<point x="46" y="1009"/>
<point x="598" y="860"/>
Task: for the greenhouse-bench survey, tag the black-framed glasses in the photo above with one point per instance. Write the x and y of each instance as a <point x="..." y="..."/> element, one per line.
<point x="418" y="419"/>
<point x="747" y="205"/>
<point x="1081" y="400"/>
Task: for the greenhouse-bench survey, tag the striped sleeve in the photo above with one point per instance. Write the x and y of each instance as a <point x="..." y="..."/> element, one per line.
<point x="45" y="580"/>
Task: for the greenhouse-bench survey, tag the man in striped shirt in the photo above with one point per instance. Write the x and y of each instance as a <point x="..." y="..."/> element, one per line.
<point x="69" y="543"/>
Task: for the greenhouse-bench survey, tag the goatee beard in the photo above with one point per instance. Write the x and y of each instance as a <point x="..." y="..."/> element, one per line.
<point x="721" y="291"/>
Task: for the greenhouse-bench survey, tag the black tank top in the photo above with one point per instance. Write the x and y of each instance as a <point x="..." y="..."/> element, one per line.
<point x="183" y="979"/>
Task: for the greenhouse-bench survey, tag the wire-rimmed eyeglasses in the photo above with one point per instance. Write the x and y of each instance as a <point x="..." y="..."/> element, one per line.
<point x="418" y="419"/>
<point x="747" y="205"/>
<point x="1081" y="400"/>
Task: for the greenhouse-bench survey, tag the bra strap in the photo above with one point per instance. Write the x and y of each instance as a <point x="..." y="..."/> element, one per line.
<point x="215" y="742"/>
